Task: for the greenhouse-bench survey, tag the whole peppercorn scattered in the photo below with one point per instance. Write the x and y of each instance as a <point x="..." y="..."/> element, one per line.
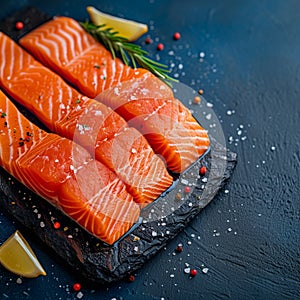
<point x="197" y="100"/>
<point x="200" y="92"/>
<point x="19" y="25"/>
<point x="202" y="171"/>
<point x="160" y="47"/>
<point x="76" y="287"/>
<point x="56" y="225"/>
<point x="187" y="189"/>
<point x="148" y="41"/>
<point x="176" y="36"/>
<point x="131" y="278"/>
<point x="179" y="248"/>
<point x="193" y="272"/>
<point x="178" y="196"/>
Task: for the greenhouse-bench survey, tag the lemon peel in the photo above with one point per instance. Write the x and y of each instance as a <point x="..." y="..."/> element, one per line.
<point x="128" y="29"/>
<point x="17" y="256"/>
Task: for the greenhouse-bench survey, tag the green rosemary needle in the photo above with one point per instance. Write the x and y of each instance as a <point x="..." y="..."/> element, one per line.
<point x="130" y="53"/>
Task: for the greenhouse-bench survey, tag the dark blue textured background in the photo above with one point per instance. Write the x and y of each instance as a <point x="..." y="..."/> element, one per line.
<point x="249" y="236"/>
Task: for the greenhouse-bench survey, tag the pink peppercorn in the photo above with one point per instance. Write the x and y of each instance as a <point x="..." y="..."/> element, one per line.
<point x="179" y="248"/>
<point x="160" y="47"/>
<point x="187" y="189"/>
<point x="148" y="40"/>
<point x="176" y="36"/>
<point x="193" y="272"/>
<point x="76" y="287"/>
<point x="202" y="171"/>
<point x="131" y="278"/>
<point x="19" y="25"/>
<point x="56" y="225"/>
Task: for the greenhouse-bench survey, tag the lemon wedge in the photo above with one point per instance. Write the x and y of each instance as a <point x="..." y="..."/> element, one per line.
<point x="126" y="28"/>
<point x="17" y="256"/>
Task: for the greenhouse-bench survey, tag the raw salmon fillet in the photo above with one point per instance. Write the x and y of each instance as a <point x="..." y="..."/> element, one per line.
<point x="170" y="129"/>
<point x="66" y="48"/>
<point x="66" y="175"/>
<point x="63" y="45"/>
<point x="86" y="121"/>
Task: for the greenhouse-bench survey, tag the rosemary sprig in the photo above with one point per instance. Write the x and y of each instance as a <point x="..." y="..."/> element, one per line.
<point x="130" y="53"/>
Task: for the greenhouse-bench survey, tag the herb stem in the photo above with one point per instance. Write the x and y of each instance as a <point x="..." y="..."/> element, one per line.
<point x="131" y="54"/>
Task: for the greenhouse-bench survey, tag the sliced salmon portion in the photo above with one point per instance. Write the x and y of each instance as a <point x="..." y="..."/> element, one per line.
<point x="170" y="129"/>
<point x="130" y="167"/>
<point x="66" y="175"/>
<point x="134" y="89"/>
<point x="89" y="66"/>
<point x="65" y="47"/>
<point x="86" y="121"/>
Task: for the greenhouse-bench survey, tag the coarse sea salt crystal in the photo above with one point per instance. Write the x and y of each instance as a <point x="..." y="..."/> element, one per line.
<point x="79" y="295"/>
<point x="116" y="91"/>
<point x="208" y="116"/>
<point x="230" y="112"/>
<point x="184" y="181"/>
<point x="19" y="280"/>
<point x="205" y="270"/>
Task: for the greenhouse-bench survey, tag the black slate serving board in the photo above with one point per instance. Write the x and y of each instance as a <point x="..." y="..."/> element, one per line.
<point x="96" y="262"/>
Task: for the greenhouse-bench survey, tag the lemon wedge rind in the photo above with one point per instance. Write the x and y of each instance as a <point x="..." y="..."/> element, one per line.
<point x="17" y="256"/>
<point x="128" y="29"/>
